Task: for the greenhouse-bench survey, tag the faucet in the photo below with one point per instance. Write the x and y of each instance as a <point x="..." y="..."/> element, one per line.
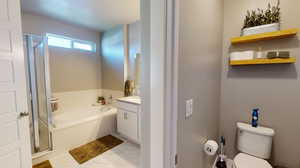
<point x="110" y="99"/>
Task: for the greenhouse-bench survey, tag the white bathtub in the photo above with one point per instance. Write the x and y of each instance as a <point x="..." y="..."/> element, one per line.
<point x="77" y="122"/>
<point x="80" y="126"/>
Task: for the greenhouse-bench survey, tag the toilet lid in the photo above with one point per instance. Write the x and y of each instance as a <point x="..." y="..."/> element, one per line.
<point x="243" y="160"/>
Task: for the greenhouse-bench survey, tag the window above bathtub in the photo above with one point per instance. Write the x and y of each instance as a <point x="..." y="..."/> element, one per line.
<point x="55" y="40"/>
<point x="84" y="45"/>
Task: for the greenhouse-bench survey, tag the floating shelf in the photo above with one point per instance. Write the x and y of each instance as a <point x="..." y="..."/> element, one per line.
<point x="264" y="36"/>
<point x="264" y="61"/>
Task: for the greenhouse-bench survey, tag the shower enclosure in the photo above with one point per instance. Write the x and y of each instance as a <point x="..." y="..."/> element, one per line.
<point x="39" y="93"/>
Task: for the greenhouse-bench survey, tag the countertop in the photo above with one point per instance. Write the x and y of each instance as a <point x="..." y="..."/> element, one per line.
<point x="131" y="99"/>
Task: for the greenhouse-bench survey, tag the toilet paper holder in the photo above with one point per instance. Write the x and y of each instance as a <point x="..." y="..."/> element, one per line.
<point x="210" y="147"/>
<point x="203" y="140"/>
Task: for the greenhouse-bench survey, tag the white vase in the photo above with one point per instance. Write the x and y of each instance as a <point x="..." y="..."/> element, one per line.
<point x="261" y="29"/>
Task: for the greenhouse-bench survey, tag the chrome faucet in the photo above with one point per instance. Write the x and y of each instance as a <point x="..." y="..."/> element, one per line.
<point x="110" y="99"/>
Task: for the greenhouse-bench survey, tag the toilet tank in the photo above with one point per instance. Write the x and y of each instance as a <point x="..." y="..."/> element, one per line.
<point x="255" y="141"/>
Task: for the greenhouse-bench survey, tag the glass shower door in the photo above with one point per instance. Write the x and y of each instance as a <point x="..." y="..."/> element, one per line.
<point x="39" y="90"/>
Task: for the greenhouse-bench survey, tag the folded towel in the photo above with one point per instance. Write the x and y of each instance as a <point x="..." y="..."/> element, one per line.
<point x="243" y="55"/>
<point x="278" y="54"/>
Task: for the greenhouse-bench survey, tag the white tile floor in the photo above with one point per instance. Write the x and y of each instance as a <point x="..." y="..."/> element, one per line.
<point x="126" y="155"/>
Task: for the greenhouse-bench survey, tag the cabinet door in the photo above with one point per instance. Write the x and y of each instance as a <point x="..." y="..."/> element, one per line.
<point x="139" y="124"/>
<point x="121" y="122"/>
<point x="127" y="124"/>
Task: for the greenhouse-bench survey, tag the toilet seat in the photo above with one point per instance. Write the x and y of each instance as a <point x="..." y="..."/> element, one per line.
<point x="243" y="160"/>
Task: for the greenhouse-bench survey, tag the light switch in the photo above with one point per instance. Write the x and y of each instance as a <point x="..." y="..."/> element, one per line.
<point x="189" y="108"/>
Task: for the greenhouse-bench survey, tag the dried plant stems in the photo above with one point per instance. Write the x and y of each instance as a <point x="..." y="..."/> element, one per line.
<point x="260" y="17"/>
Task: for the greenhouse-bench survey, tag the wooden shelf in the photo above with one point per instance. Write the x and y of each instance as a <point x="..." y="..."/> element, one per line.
<point x="264" y="61"/>
<point x="264" y="36"/>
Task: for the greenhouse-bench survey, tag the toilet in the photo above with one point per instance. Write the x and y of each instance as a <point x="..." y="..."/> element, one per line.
<point x="254" y="145"/>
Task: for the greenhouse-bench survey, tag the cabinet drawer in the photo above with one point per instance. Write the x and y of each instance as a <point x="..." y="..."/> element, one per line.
<point x="127" y="106"/>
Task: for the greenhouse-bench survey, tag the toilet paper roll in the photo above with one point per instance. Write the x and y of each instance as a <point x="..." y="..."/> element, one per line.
<point x="211" y="147"/>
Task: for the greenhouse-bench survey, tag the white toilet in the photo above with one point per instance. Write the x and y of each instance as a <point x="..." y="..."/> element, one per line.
<point x="254" y="145"/>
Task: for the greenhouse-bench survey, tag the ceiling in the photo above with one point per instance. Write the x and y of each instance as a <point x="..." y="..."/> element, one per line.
<point x="95" y="14"/>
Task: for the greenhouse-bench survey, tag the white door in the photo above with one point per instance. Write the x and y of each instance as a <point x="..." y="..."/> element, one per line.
<point x="14" y="123"/>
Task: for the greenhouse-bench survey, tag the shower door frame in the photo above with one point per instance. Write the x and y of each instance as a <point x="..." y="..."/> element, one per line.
<point x="31" y="68"/>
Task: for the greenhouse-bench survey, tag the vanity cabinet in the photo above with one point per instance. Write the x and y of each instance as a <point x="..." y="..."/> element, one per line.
<point x="128" y="120"/>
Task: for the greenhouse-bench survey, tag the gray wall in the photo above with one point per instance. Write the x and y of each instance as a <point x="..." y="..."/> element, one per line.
<point x="70" y="69"/>
<point x="275" y="89"/>
<point x="112" y="51"/>
<point x="199" y="78"/>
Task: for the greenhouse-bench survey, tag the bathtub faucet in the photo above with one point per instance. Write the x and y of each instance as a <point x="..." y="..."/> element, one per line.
<point x="110" y="99"/>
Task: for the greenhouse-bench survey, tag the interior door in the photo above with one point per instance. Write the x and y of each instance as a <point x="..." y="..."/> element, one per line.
<point x="14" y="125"/>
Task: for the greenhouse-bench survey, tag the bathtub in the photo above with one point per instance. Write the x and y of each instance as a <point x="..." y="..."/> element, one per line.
<point x="76" y="127"/>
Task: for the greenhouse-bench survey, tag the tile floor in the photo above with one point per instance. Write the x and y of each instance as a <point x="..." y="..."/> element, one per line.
<point x="126" y="155"/>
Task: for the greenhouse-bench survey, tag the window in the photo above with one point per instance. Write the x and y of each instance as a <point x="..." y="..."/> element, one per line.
<point x="66" y="42"/>
<point x="84" y="46"/>
<point x="57" y="41"/>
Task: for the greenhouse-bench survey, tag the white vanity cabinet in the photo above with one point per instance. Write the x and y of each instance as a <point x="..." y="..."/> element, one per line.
<point x="128" y="119"/>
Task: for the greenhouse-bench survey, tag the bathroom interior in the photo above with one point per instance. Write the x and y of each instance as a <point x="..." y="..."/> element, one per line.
<point x="83" y="80"/>
<point x="221" y="69"/>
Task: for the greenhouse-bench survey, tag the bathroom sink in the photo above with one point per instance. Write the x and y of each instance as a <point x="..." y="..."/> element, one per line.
<point x="131" y="99"/>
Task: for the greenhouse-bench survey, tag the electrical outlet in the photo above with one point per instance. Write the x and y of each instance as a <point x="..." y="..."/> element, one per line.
<point x="189" y="108"/>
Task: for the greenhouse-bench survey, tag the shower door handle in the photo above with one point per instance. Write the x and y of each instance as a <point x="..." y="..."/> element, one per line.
<point x="24" y="114"/>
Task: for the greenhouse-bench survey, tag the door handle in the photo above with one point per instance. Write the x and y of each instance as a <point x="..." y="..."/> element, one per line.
<point x="24" y="114"/>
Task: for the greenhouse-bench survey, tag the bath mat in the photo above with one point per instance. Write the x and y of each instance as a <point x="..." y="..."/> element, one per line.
<point x="91" y="150"/>
<point x="45" y="164"/>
